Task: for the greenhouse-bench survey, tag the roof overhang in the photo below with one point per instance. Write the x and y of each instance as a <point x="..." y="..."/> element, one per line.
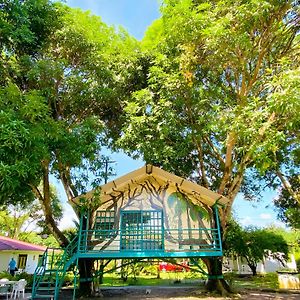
<point x="8" y="244"/>
<point x="207" y="196"/>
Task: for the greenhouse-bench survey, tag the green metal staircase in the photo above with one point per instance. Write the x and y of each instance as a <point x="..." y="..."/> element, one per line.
<point x="49" y="275"/>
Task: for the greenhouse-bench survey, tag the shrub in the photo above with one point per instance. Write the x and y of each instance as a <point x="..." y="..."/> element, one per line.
<point x="26" y="276"/>
<point x="6" y="274"/>
<point x="68" y="279"/>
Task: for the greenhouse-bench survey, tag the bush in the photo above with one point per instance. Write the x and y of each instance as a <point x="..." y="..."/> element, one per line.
<point x="269" y="279"/>
<point x="68" y="279"/>
<point x="150" y="269"/>
<point x="7" y="275"/>
<point x="194" y="275"/>
<point x="26" y="276"/>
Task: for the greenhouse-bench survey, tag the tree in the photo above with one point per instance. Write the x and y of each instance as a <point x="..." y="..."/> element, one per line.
<point x="288" y="207"/>
<point x="56" y="104"/>
<point x="211" y="111"/>
<point x="12" y="223"/>
<point x="16" y="220"/>
<point x="292" y="237"/>
<point x="35" y="238"/>
<point x="62" y="72"/>
<point x="254" y="244"/>
<point x="25" y="28"/>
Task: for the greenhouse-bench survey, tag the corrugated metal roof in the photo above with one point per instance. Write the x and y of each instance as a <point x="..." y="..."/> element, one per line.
<point x="11" y="244"/>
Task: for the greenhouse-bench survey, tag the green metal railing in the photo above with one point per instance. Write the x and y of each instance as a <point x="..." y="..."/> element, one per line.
<point x="138" y="234"/>
<point x="141" y="233"/>
<point x="46" y="269"/>
<point x="116" y="240"/>
<point x="52" y="268"/>
<point x="68" y="258"/>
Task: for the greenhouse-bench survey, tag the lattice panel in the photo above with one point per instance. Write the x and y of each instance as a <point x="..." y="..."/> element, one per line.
<point x="104" y="224"/>
<point x="142" y="230"/>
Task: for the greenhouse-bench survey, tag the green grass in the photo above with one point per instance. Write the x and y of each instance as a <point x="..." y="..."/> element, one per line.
<point x="266" y="281"/>
<point x="168" y="278"/>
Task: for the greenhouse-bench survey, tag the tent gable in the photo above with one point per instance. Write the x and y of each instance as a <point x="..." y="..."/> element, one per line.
<point x="149" y="177"/>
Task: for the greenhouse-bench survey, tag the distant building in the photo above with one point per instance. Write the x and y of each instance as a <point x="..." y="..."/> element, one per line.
<point x="269" y="264"/>
<point x="26" y="254"/>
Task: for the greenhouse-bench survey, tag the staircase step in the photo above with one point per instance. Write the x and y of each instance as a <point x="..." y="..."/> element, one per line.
<point x="46" y="288"/>
<point x="47" y="284"/>
<point x="41" y="296"/>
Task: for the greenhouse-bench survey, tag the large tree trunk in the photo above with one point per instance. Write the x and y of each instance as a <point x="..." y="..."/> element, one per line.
<point x="44" y="197"/>
<point x="253" y="269"/>
<point x="215" y="281"/>
<point x="85" y="266"/>
<point x="101" y="272"/>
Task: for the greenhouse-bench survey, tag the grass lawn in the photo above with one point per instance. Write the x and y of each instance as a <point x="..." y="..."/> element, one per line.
<point x="167" y="278"/>
<point x="267" y="281"/>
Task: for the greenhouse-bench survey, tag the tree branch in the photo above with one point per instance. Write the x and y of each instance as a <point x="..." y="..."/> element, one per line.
<point x="288" y="186"/>
<point x="231" y="139"/>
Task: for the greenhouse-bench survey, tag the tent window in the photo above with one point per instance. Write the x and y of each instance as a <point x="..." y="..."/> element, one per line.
<point x="142" y="230"/>
<point x="104" y="224"/>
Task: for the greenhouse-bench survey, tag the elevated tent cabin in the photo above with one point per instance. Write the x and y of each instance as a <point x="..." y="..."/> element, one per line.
<point x="151" y="213"/>
<point x="148" y="213"/>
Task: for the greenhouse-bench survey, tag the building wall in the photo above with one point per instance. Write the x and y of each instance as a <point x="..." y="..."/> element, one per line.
<point x="31" y="263"/>
<point x="239" y="266"/>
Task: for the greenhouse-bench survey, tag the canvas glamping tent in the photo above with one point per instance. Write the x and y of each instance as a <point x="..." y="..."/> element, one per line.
<point x="152" y="213"/>
<point x="148" y="213"/>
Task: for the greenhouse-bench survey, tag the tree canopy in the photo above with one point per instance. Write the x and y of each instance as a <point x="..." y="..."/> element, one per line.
<point x="221" y="102"/>
<point x="25" y="28"/>
<point x="287" y="206"/>
<point x="254" y="244"/>
<point x="60" y="97"/>
<point x="213" y="109"/>
<point x="23" y="218"/>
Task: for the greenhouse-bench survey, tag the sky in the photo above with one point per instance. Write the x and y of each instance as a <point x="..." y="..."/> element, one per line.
<point x="135" y="16"/>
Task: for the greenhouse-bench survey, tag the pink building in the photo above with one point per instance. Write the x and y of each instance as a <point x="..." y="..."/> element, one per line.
<point x="25" y="254"/>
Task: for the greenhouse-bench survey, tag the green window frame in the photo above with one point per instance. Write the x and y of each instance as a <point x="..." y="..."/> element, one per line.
<point x="142" y="230"/>
<point x="104" y="226"/>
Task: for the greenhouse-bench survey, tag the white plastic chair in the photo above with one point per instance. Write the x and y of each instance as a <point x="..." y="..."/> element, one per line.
<point x="18" y="288"/>
<point x="4" y="288"/>
<point x="4" y="291"/>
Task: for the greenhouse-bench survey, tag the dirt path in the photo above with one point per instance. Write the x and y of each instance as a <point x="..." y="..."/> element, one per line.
<point x="186" y="293"/>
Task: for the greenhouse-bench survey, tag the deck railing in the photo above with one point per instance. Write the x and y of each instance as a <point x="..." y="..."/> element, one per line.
<point x="168" y="240"/>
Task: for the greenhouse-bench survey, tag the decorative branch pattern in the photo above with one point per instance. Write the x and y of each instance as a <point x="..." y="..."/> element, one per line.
<point x="154" y="193"/>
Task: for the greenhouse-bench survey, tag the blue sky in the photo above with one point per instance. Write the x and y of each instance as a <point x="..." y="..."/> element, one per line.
<point x="135" y="16"/>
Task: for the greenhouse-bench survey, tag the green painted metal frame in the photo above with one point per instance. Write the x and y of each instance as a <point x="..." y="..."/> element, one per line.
<point x="215" y="207"/>
<point x="70" y="255"/>
<point x="148" y="254"/>
<point x="213" y="251"/>
<point x="76" y="256"/>
<point x="154" y="230"/>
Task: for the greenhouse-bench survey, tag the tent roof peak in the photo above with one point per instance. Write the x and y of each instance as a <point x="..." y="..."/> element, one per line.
<point x="207" y="196"/>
